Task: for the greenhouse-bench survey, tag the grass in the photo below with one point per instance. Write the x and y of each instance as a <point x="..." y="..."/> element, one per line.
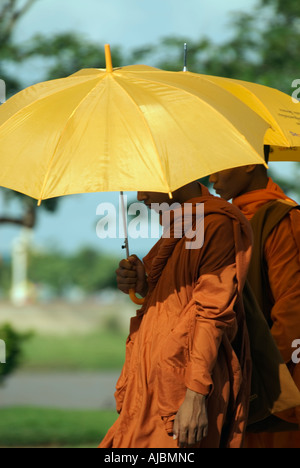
<point x="53" y="428"/>
<point x="57" y="428"/>
<point x="102" y="350"/>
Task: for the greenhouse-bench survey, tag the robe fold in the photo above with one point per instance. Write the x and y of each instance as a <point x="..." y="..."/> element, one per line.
<point x="281" y="252"/>
<point x="190" y="333"/>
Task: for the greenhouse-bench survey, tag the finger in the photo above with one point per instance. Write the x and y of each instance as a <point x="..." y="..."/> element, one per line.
<point x="182" y="439"/>
<point x="126" y="283"/>
<point x="126" y="273"/>
<point x="192" y="437"/>
<point x="133" y="259"/>
<point x="201" y="433"/>
<point x="126" y="278"/>
<point x="126" y="287"/>
<point x="121" y="280"/>
<point x="175" y="429"/>
<point x="126" y="264"/>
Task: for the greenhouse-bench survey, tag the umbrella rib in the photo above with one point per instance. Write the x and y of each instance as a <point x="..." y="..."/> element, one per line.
<point x="60" y="138"/>
<point x="150" y="133"/>
<point x="259" y="101"/>
<point x="40" y="98"/>
<point x="207" y="103"/>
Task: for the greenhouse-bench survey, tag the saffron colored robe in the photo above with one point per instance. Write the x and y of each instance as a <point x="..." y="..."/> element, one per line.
<point x="190" y="333"/>
<point x="282" y="256"/>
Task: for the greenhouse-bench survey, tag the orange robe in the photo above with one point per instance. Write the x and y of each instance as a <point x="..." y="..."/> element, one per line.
<point x="282" y="255"/>
<point x="190" y="333"/>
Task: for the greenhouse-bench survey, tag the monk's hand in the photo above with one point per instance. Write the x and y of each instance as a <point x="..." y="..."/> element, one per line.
<point x="191" y="421"/>
<point x="131" y="274"/>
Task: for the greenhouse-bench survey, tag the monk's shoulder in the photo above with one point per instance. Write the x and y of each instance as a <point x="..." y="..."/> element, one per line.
<point x="294" y="215"/>
<point x="218" y="212"/>
<point x="218" y="222"/>
<point x="285" y="234"/>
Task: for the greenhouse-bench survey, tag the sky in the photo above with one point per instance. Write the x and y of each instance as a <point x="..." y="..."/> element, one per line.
<point x="126" y="23"/>
<point x="132" y="23"/>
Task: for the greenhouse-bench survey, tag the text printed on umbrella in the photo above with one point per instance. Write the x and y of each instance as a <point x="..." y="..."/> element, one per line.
<point x="162" y="220"/>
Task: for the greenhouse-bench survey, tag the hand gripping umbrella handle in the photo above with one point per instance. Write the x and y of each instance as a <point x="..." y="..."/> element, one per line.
<point x="135" y="300"/>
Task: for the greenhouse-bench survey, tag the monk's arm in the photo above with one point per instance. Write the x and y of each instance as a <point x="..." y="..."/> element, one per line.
<point x="282" y="255"/>
<point x="214" y="298"/>
<point x="213" y="302"/>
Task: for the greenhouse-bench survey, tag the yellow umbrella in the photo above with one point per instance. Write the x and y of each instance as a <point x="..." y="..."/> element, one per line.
<point x="132" y="128"/>
<point x="277" y="108"/>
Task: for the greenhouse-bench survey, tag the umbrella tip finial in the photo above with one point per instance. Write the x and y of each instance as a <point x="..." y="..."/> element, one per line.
<point x="185" y="49"/>
<point x="109" y="67"/>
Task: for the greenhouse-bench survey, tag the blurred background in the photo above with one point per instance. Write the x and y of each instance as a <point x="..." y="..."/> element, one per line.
<point x="61" y="316"/>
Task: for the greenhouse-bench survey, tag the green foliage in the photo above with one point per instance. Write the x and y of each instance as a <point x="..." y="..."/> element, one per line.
<point x="5" y="277"/>
<point x="288" y="9"/>
<point x="67" y="53"/>
<point x="29" y="203"/>
<point x="48" y="427"/>
<point x="101" y="350"/>
<point x="87" y="269"/>
<point x="13" y="341"/>
<point x="11" y="11"/>
<point x="263" y="47"/>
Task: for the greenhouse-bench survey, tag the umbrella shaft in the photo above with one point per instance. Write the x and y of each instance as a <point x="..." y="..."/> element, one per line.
<point x="126" y="244"/>
<point x="185" y="57"/>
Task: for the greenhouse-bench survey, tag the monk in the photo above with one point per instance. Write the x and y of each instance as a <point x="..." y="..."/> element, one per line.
<point x="274" y="274"/>
<point x="186" y="378"/>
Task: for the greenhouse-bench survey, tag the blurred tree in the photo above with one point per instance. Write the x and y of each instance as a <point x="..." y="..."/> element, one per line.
<point x="87" y="269"/>
<point x="263" y="48"/>
<point x="61" y="56"/>
<point x="92" y="270"/>
<point x="67" y="53"/>
<point x="13" y="342"/>
<point x="5" y="277"/>
<point x="11" y="11"/>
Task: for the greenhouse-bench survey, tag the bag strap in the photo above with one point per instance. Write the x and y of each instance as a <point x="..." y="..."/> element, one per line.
<point x="263" y="223"/>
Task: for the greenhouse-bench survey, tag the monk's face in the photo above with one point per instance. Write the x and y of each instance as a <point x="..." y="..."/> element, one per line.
<point x="154" y="197"/>
<point x="232" y="182"/>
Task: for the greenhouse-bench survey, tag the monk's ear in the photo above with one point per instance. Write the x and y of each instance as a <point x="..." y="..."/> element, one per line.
<point x="250" y="168"/>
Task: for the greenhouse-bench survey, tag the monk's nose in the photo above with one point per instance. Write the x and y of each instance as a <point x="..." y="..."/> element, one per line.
<point x="141" y="196"/>
<point x="213" y="178"/>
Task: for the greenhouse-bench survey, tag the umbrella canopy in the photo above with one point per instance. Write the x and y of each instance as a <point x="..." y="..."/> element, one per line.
<point x="274" y="106"/>
<point x="134" y="128"/>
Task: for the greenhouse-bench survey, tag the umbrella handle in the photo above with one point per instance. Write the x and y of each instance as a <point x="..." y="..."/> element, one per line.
<point x="136" y="300"/>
